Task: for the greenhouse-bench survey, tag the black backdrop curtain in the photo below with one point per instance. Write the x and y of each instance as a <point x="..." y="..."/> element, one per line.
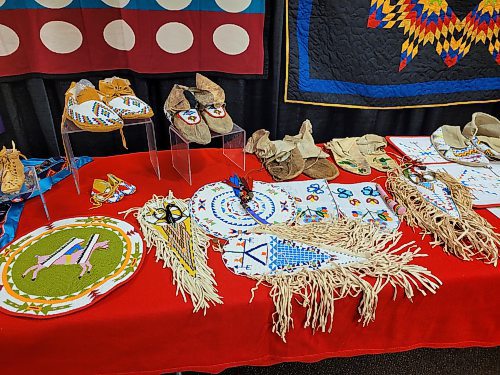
<point x="31" y="107"/>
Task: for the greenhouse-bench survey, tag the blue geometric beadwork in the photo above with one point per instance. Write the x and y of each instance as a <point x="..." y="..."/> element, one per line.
<point x="287" y="255"/>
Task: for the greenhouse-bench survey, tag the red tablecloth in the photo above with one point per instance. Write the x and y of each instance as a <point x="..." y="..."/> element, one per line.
<point x="143" y="327"/>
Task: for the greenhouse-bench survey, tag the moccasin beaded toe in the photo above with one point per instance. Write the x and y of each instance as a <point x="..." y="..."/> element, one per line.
<point x="123" y="186"/>
<point x="453" y="146"/>
<point x="484" y="133"/>
<point x="181" y="109"/>
<point x="372" y="147"/>
<point x="85" y="107"/>
<point x="119" y="96"/>
<point x="211" y="98"/>
<point x="104" y="192"/>
<point x="346" y="153"/>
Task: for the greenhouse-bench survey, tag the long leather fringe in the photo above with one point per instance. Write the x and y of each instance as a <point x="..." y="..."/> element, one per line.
<point x="468" y="237"/>
<point x="202" y="286"/>
<point x="317" y="290"/>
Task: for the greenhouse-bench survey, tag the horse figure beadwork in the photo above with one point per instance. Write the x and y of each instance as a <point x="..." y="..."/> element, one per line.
<point x="70" y="253"/>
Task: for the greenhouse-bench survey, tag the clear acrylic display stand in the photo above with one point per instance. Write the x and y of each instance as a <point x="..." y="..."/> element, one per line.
<point x="70" y="128"/>
<point x="233" y="148"/>
<point x="31" y="185"/>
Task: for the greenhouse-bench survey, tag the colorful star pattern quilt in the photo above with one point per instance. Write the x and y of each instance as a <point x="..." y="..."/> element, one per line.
<point x="392" y="53"/>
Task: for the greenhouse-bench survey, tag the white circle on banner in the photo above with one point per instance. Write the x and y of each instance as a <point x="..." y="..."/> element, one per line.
<point x="233" y="6"/>
<point x="231" y="39"/>
<point x="9" y="41"/>
<point x="54" y="4"/>
<point x="119" y="35"/>
<point x="174" y="37"/>
<point x="116" y="3"/>
<point x="2" y="2"/>
<point x="174" y="4"/>
<point x="61" y="37"/>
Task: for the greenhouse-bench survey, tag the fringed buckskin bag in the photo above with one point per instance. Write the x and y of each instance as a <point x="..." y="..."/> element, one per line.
<point x="442" y="206"/>
<point x="181" y="245"/>
<point x="316" y="264"/>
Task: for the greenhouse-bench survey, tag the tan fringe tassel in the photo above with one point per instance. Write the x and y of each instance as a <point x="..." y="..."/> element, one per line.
<point x="318" y="289"/>
<point x="202" y="286"/>
<point x="468" y="237"/>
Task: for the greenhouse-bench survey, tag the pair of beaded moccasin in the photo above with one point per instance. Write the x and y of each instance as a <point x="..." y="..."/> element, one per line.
<point x="195" y="111"/>
<point x="111" y="191"/>
<point x="106" y="109"/>
<point x="359" y="155"/>
<point x="476" y="145"/>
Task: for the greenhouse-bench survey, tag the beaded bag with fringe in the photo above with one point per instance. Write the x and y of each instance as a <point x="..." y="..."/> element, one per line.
<point x="181" y="245"/>
<point x="442" y="207"/>
<point x="316" y="264"/>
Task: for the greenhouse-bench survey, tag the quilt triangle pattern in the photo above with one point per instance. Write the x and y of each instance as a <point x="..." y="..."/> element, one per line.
<point x="434" y="22"/>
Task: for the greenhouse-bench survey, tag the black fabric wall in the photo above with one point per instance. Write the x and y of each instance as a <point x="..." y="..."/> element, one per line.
<point x="31" y="107"/>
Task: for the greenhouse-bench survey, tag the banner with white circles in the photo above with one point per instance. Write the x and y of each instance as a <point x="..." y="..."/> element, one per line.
<point x="155" y="36"/>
